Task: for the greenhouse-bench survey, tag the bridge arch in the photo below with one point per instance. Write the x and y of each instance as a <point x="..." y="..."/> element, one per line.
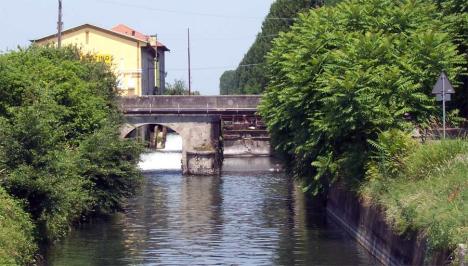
<point x="201" y="151"/>
<point x="128" y="128"/>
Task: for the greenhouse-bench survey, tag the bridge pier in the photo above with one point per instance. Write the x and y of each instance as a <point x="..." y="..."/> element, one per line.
<point x="201" y="152"/>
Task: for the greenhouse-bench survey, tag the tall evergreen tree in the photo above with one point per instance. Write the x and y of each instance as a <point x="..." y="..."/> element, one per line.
<point x="227" y="83"/>
<point x="250" y="76"/>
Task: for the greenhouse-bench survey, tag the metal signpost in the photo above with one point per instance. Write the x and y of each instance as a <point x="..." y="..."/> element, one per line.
<point x="443" y="90"/>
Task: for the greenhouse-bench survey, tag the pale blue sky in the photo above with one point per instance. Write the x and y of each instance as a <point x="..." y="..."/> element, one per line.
<point x="221" y="30"/>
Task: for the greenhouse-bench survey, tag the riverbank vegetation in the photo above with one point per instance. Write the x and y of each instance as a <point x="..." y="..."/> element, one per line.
<point x="17" y="244"/>
<point x="422" y="187"/>
<point x="344" y="75"/>
<point x="61" y="158"/>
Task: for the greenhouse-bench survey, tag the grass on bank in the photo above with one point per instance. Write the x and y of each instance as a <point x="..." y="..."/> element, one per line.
<point x="427" y="192"/>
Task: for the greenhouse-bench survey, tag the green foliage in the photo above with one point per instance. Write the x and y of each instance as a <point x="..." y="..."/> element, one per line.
<point x="389" y="151"/>
<point x="456" y="12"/>
<point x="109" y="163"/>
<point x="343" y="74"/>
<point x="227" y="83"/>
<point x="251" y="75"/>
<point x="427" y="194"/>
<point x="40" y="169"/>
<point x="59" y="146"/>
<point x="17" y="245"/>
<point x="178" y="88"/>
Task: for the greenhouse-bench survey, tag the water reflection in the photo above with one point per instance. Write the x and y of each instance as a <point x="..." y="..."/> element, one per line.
<point x="250" y="218"/>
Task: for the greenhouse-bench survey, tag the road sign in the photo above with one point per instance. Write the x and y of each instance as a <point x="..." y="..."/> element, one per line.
<point x="447" y="97"/>
<point x="443" y="89"/>
<point x="443" y="84"/>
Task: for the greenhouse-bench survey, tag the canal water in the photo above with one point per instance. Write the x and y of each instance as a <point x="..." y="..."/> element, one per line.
<point x="249" y="215"/>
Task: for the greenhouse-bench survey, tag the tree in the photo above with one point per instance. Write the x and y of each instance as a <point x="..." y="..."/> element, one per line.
<point x="251" y="75"/>
<point x="54" y="105"/>
<point x="343" y="74"/>
<point x="178" y="88"/>
<point x="457" y="13"/>
<point x="227" y="83"/>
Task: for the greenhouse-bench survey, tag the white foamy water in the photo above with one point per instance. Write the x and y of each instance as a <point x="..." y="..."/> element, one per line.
<point x="173" y="143"/>
<point x="168" y="158"/>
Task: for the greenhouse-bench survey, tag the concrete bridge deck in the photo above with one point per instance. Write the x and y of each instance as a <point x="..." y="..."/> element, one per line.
<point x="242" y="104"/>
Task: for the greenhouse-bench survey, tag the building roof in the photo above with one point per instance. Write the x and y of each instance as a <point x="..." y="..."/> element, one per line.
<point x="126" y="30"/>
<point x="112" y="32"/>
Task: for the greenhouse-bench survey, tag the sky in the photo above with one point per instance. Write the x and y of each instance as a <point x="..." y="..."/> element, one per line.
<point x="221" y="31"/>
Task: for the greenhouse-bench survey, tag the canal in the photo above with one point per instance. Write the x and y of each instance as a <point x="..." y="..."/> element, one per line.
<point x="247" y="216"/>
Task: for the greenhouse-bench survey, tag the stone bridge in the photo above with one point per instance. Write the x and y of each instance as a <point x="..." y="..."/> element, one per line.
<point x="208" y="126"/>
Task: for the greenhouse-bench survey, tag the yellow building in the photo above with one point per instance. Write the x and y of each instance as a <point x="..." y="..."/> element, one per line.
<point x="138" y="60"/>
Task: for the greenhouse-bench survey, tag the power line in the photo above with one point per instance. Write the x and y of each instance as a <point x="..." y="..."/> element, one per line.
<point x="223" y="39"/>
<point x="215" y="67"/>
<point x="189" y="13"/>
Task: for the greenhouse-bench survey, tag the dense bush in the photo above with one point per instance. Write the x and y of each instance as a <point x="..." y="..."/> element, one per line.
<point x="389" y="152"/>
<point x="16" y="232"/>
<point x="60" y="150"/>
<point x="109" y="163"/>
<point x="343" y="74"/>
<point x="427" y="194"/>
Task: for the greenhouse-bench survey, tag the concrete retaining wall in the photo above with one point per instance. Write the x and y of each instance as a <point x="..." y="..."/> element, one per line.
<point x="367" y="225"/>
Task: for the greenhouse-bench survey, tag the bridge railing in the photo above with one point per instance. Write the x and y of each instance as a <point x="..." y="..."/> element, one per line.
<point x="190" y="102"/>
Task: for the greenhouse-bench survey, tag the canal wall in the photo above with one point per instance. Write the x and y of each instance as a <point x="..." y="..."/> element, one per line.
<point x="366" y="223"/>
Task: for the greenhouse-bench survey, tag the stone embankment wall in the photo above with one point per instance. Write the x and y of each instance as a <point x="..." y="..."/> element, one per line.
<point x="366" y="223"/>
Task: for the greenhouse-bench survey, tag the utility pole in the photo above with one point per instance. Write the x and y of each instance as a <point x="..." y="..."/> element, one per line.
<point x="59" y="24"/>
<point x="189" y="67"/>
